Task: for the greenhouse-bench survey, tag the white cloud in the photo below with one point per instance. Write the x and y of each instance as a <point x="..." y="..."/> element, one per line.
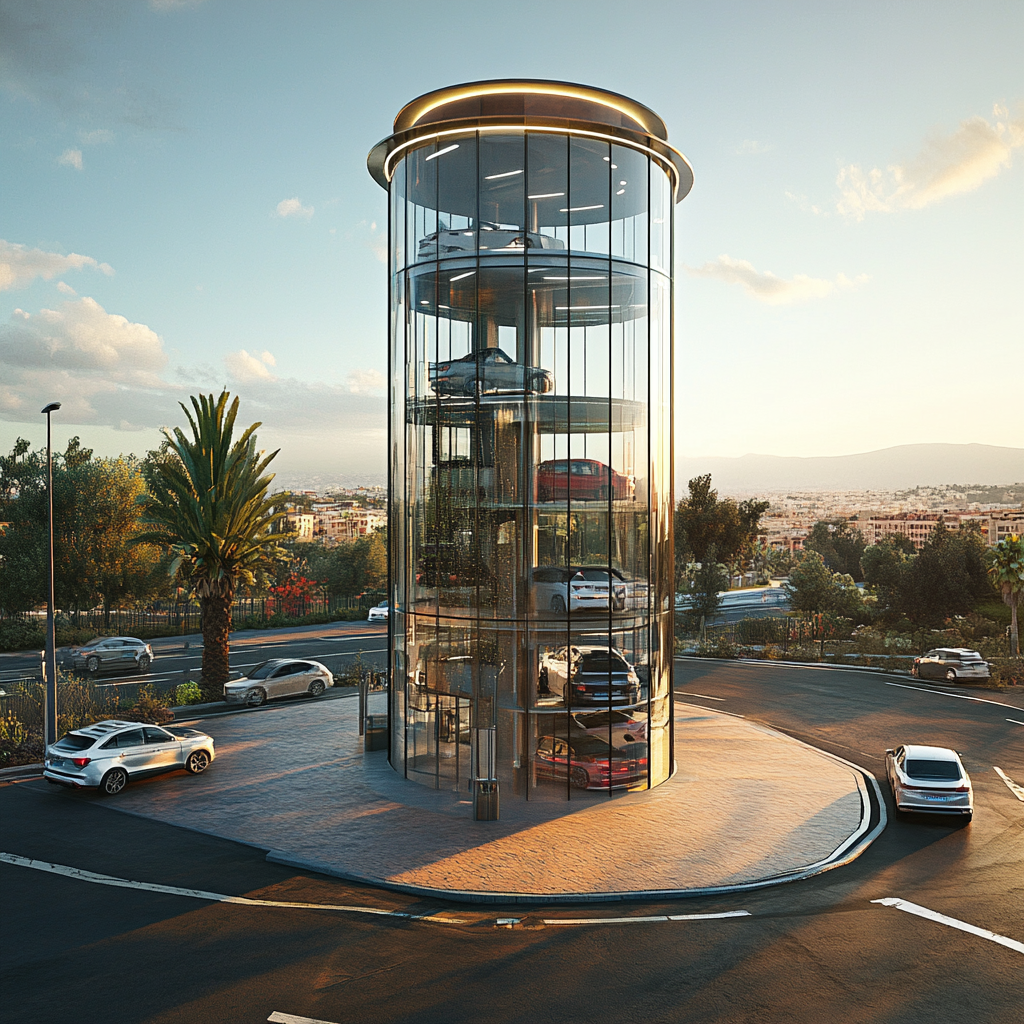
<point x="246" y="368"/>
<point x="766" y="287"/>
<point x="97" y="364"/>
<point x="803" y="203"/>
<point x="365" y="382"/>
<point x="750" y="147"/>
<point x="96" y="136"/>
<point x="19" y="266"/>
<point x="946" y="165"/>
<point x="294" y="208"/>
<point x="71" y="158"/>
<point x="65" y="289"/>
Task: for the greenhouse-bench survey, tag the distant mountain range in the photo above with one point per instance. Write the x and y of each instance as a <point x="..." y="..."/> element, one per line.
<point x="899" y="468"/>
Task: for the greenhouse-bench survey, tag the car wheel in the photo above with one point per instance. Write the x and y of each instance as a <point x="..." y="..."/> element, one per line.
<point x="144" y="663"/>
<point x="316" y="688"/>
<point x="114" y="781"/>
<point x="197" y="762"/>
<point x="254" y="698"/>
<point x="558" y="604"/>
<point x="580" y="779"/>
<point x="92" y="665"/>
<point x="950" y="675"/>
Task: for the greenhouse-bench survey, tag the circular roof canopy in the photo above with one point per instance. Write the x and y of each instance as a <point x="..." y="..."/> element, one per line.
<point x="525" y="104"/>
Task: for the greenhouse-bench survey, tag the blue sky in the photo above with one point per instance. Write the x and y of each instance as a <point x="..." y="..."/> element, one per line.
<point x="185" y="205"/>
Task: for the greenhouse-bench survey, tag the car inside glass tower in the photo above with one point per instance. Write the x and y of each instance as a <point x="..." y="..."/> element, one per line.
<point x="530" y="460"/>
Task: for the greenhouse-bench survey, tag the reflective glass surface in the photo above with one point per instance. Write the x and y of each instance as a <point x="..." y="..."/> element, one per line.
<point x="530" y="460"/>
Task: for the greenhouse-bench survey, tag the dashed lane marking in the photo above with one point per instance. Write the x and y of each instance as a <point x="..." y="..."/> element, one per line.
<point x="1017" y="791"/>
<point x="646" y="920"/>
<point x="213" y="897"/>
<point x="951" y="922"/>
<point x="706" y="696"/>
<point x="1015" y="722"/>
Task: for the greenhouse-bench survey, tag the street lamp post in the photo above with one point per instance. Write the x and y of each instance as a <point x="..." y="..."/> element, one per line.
<point x="50" y="724"/>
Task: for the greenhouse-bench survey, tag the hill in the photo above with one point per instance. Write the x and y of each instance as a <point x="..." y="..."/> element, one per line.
<point x="904" y="466"/>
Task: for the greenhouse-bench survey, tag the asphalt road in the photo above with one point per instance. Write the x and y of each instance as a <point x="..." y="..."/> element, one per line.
<point x="818" y="950"/>
<point x="335" y="644"/>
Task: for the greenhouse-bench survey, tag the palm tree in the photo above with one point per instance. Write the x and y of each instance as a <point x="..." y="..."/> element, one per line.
<point x="1007" y="572"/>
<point x="208" y="503"/>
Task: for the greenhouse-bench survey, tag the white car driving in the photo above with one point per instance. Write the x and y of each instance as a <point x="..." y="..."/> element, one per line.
<point x="932" y="780"/>
<point x="279" y="677"/>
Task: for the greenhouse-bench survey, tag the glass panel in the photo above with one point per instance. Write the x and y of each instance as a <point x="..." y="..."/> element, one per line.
<point x="629" y="187"/>
<point x="589" y="196"/>
<point x="661" y="218"/>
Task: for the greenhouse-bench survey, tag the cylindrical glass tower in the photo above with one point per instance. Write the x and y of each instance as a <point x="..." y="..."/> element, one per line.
<point x="530" y="439"/>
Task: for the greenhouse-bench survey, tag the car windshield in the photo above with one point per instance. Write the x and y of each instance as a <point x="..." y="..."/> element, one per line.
<point x="932" y="771"/>
<point x="262" y="671"/>
<point x="602" y="663"/>
<point x="590" y="746"/>
<point x="73" y="741"/>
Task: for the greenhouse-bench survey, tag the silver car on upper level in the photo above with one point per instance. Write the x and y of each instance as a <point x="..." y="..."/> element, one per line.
<point x="107" y="754"/>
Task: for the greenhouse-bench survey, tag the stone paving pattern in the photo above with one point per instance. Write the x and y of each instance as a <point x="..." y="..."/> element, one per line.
<point x="745" y="803"/>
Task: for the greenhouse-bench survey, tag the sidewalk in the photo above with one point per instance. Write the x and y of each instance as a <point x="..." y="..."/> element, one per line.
<point x="745" y="806"/>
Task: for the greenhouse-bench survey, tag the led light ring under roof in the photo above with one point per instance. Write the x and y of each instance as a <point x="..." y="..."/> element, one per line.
<point x="388" y="156"/>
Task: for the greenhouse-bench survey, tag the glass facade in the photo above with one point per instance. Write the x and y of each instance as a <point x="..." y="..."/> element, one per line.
<point x="530" y="457"/>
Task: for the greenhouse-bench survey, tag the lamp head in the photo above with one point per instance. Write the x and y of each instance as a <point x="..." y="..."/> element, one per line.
<point x="52" y="407"/>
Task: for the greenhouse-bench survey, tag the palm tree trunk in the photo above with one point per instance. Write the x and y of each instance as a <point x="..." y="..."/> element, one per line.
<point x="1014" y="636"/>
<point x="216" y="627"/>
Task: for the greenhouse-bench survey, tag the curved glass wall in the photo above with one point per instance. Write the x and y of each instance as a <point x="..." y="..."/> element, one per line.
<point x="530" y="456"/>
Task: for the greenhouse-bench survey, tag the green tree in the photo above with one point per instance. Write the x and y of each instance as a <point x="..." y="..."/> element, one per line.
<point x="949" y="576"/>
<point x="840" y="547"/>
<point x="703" y="520"/>
<point x="95" y="518"/>
<point x="1007" y="573"/>
<point x="209" y="505"/>
<point x="704" y="590"/>
<point x="814" y="588"/>
<point x="886" y="569"/>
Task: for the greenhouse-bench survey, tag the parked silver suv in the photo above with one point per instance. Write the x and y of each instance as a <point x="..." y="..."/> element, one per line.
<point x="107" y="754"/>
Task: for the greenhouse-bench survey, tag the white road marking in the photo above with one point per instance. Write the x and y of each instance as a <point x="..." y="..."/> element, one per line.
<point x="646" y="920"/>
<point x="200" y="894"/>
<point x="1017" y="791"/>
<point x="959" y="696"/>
<point x="952" y="922"/>
<point x="706" y="696"/>
<point x="277" y="1017"/>
<point x="1015" y="722"/>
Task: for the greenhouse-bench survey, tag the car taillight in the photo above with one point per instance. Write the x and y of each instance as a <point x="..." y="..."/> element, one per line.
<point x="581" y="688"/>
<point x="80" y="762"/>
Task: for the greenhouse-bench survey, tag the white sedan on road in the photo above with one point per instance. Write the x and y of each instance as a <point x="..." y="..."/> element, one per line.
<point x="931" y="780"/>
<point x="379" y="613"/>
<point x="279" y="677"/>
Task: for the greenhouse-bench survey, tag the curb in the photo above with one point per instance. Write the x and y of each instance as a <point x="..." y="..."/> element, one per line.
<point x="848" y="851"/>
<point x="19" y="772"/>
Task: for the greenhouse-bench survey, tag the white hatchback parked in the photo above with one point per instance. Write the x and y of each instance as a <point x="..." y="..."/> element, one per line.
<point x="279" y="677"/>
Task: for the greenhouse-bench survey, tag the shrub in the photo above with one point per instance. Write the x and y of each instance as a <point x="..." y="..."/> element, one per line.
<point x="1008" y="671"/>
<point x="187" y="693"/>
<point x="21" y="635"/>
<point x="150" y="707"/>
<point x="19" y="745"/>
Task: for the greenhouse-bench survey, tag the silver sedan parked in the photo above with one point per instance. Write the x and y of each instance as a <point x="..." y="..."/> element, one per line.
<point x="279" y="677"/>
<point x="932" y="780"/>
<point x="107" y="754"/>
